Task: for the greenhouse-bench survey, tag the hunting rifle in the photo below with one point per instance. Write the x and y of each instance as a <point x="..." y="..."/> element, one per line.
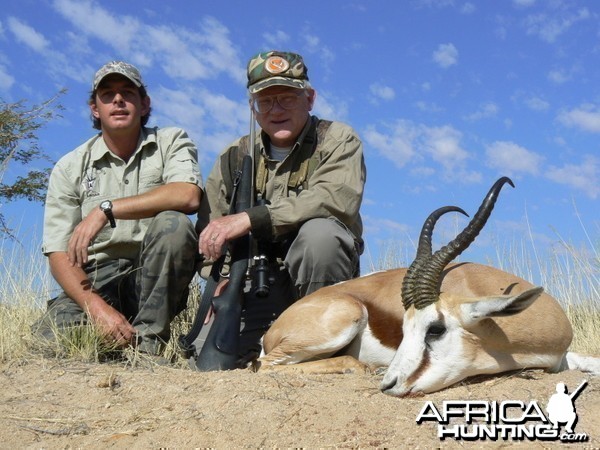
<point x="221" y="348"/>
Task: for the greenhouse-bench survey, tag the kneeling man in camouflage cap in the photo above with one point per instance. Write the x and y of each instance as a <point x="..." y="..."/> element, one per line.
<point x="309" y="181"/>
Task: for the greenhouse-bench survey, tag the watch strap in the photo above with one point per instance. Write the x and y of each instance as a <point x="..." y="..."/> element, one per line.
<point x="109" y="215"/>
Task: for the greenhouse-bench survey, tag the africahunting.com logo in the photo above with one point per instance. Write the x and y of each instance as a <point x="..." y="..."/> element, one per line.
<point x="514" y="420"/>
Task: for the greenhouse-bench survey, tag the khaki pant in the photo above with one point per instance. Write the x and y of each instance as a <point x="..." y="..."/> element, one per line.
<point x="149" y="292"/>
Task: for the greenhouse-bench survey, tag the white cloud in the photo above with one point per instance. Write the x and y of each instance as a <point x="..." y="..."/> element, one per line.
<point x="327" y="105"/>
<point x="433" y="3"/>
<point x="6" y="79"/>
<point x="443" y="144"/>
<point x="214" y="46"/>
<point x="314" y="46"/>
<point x="212" y="120"/>
<point x="559" y="76"/>
<point x="202" y="53"/>
<point x="428" y="107"/>
<point x="397" y="145"/>
<point x="77" y="45"/>
<point x="27" y="35"/>
<point x="382" y="92"/>
<point x="179" y="106"/>
<point x="584" y="177"/>
<point x="446" y="55"/>
<point x="537" y="104"/>
<point x="177" y="64"/>
<point x="549" y="28"/>
<point x="377" y="225"/>
<point x="60" y="65"/>
<point x="486" y="111"/>
<point x="422" y="172"/>
<point x="276" y="39"/>
<point x="586" y="118"/>
<point x="405" y="142"/>
<point x="95" y="21"/>
<point x="510" y="158"/>
<point x="312" y="42"/>
<point x="468" y="8"/>
<point x="524" y="3"/>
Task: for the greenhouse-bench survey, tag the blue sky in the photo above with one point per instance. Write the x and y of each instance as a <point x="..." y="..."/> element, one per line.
<point x="447" y="96"/>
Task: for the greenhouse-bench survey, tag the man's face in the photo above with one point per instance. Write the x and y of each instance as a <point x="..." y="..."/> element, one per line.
<point x="118" y="105"/>
<point x="284" y="125"/>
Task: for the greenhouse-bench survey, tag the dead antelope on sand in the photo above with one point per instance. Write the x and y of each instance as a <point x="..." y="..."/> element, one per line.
<point x="432" y="325"/>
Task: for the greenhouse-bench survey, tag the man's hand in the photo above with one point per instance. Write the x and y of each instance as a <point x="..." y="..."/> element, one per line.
<point x="219" y="232"/>
<point x="112" y="323"/>
<point x="83" y="235"/>
<point x="78" y="287"/>
<point x="176" y="196"/>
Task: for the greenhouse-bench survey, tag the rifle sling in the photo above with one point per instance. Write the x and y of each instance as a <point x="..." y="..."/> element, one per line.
<point x="186" y="343"/>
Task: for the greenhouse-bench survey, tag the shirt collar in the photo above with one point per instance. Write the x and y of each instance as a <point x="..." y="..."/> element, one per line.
<point x="99" y="148"/>
<point x="266" y="140"/>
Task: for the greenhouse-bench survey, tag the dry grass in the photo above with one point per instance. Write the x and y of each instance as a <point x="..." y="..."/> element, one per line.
<point x="574" y="277"/>
<point x="570" y="274"/>
<point x="25" y="286"/>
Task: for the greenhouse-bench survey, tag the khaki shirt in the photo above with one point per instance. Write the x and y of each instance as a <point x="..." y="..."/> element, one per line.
<point x="333" y="190"/>
<point x="91" y="173"/>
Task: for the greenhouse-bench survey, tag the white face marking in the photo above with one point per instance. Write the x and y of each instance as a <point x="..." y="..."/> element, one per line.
<point x="431" y="355"/>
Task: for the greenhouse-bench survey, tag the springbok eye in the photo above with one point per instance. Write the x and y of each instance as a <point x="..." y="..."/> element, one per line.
<point x="435" y="331"/>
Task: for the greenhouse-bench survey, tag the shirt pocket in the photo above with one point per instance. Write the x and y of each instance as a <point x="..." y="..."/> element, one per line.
<point x="89" y="203"/>
<point x="151" y="179"/>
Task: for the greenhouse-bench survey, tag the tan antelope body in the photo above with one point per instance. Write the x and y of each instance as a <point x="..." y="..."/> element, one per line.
<point x="471" y="319"/>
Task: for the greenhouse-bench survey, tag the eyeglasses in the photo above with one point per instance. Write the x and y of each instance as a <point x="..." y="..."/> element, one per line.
<point x="286" y="101"/>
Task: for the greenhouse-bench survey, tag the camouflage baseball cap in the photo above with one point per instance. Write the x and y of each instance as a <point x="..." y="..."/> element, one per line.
<point x="120" y="67"/>
<point x="276" y="69"/>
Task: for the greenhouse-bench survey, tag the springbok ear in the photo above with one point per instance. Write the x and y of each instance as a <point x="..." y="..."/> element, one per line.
<point x="499" y="306"/>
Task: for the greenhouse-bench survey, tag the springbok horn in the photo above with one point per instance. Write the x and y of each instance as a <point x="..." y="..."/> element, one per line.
<point x="429" y="275"/>
<point x="410" y="282"/>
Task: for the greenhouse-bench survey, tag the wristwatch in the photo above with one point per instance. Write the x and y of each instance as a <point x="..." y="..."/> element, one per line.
<point x="106" y="208"/>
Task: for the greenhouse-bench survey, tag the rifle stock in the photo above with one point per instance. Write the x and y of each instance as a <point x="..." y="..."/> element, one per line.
<point x="221" y="348"/>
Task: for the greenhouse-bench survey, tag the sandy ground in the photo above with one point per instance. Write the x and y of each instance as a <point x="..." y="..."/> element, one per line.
<point x="60" y="404"/>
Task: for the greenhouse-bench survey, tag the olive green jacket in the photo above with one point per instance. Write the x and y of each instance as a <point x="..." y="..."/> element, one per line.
<point x="333" y="187"/>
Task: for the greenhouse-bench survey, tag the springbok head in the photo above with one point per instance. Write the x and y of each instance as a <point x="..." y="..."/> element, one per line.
<point x="437" y="349"/>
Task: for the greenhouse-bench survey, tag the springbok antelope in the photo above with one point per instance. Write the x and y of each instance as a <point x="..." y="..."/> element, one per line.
<point x="431" y="325"/>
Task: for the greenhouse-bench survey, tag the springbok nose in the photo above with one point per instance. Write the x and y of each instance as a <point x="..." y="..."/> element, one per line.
<point x="387" y="384"/>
